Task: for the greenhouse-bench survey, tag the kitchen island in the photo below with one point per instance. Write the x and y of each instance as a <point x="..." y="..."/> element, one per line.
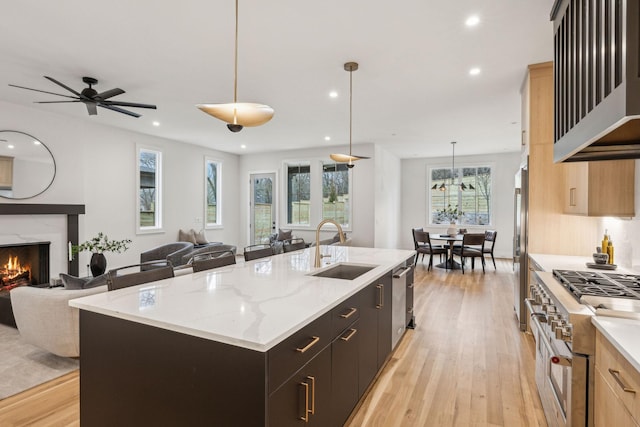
<point x="258" y="343"/>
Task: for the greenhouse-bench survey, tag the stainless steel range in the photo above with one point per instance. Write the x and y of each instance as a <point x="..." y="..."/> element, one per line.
<point x="561" y="304"/>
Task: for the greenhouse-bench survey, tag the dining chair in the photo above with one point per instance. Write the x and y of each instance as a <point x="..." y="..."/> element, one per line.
<point x="490" y="237"/>
<point x="257" y="251"/>
<point x="422" y="244"/>
<point x="472" y="247"/>
<point x="161" y="269"/>
<point x="212" y="259"/>
<point x="293" y="244"/>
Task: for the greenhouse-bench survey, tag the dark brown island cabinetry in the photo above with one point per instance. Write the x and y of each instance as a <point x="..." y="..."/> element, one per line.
<point x="135" y="374"/>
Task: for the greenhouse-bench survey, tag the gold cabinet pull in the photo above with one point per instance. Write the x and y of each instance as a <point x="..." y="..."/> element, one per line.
<point x="305" y="417"/>
<point x="351" y="334"/>
<point x="313" y="342"/>
<point x="313" y="394"/>
<point x="616" y="376"/>
<point x="351" y="312"/>
<point x="380" y="296"/>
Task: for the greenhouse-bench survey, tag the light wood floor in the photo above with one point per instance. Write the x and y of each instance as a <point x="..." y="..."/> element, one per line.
<point x="465" y="364"/>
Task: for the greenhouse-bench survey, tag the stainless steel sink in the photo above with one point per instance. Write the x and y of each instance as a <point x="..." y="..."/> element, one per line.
<point x="344" y="271"/>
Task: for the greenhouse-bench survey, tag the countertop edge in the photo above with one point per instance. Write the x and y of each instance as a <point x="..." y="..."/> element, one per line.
<point x="622" y="334"/>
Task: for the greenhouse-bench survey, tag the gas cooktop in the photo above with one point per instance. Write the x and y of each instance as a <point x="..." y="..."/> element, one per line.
<point x="611" y="285"/>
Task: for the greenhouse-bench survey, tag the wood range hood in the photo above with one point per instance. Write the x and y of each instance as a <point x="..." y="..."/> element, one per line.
<point x="596" y="80"/>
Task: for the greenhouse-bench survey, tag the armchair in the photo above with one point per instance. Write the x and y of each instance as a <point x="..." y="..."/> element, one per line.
<point x="172" y="252"/>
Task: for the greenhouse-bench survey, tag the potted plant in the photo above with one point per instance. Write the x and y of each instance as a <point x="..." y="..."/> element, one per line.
<point x="98" y="245"/>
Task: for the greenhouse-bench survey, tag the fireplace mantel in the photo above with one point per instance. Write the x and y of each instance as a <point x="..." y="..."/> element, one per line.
<point x="71" y="211"/>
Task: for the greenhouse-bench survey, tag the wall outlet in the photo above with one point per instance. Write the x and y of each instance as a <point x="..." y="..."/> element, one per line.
<point x="197" y="220"/>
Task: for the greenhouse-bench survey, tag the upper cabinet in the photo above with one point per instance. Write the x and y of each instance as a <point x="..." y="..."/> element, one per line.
<point x="602" y="188"/>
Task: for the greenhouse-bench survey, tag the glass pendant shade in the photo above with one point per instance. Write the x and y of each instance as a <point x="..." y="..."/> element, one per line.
<point x="239" y="113"/>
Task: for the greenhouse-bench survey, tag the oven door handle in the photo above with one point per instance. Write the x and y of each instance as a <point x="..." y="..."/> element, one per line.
<point x="538" y="315"/>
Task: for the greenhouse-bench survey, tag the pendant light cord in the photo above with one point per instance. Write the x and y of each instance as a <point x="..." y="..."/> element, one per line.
<point x="235" y="72"/>
<point x="350" y="109"/>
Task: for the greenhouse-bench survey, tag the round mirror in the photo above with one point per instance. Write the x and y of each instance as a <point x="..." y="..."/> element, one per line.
<point x="27" y="167"/>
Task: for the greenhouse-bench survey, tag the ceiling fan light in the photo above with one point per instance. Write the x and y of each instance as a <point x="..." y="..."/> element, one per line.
<point x="239" y="113"/>
<point x="442" y="187"/>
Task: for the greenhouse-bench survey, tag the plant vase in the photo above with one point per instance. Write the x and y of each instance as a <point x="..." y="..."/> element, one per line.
<point x="98" y="264"/>
<point x="452" y="230"/>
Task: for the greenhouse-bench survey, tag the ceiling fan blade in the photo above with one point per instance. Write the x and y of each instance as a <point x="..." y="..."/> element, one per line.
<point x="91" y="108"/>
<point x="73" y="91"/>
<point x="119" y="110"/>
<point x="128" y="104"/>
<point x="54" y="102"/>
<point x="43" y="91"/>
<point x="109" y="93"/>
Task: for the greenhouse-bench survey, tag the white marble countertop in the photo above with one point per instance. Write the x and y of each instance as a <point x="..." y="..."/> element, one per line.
<point x="570" y="262"/>
<point x="253" y="304"/>
<point x="623" y="334"/>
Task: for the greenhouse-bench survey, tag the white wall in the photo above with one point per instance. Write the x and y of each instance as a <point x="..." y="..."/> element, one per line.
<point x="96" y="166"/>
<point x="387" y="185"/>
<point x="363" y="197"/>
<point x="414" y="196"/>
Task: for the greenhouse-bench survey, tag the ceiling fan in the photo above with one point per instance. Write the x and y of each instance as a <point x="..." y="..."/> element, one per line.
<point x="91" y="98"/>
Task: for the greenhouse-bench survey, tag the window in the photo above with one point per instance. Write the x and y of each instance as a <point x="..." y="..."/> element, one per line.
<point x="298" y="194"/>
<point x="149" y="189"/>
<point x="336" y="203"/>
<point x="463" y="196"/>
<point x="212" y="176"/>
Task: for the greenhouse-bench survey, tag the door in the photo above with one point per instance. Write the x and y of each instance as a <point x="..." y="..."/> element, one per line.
<point x="263" y="203"/>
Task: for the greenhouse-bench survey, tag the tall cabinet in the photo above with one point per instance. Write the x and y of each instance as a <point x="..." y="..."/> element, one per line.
<point x="550" y="230"/>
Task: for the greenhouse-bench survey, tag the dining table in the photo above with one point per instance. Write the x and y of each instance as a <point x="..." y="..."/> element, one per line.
<point x="450" y="263"/>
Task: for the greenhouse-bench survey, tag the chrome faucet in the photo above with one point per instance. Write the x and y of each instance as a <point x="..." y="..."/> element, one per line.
<point x="318" y="261"/>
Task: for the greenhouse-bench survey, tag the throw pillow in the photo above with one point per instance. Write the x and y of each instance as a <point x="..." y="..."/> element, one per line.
<point x="75" y="283"/>
<point x="284" y="234"/>
<point x="72" y="282"/>
<point x="201" y="239"/>
<point x="187" y="236"/>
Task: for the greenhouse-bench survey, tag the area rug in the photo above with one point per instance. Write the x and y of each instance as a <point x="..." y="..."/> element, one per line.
<point x="23" y="366"/>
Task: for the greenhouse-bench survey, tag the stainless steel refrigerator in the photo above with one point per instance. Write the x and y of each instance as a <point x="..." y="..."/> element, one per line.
<point x="520" y="254"/>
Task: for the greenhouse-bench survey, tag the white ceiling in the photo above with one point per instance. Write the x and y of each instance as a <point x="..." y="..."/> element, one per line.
<point x="412" y="93"/>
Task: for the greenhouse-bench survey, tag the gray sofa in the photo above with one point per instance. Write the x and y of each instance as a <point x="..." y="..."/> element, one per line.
<point x="45" y="319"/>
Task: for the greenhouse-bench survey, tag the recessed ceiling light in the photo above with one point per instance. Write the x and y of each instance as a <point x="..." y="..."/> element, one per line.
<point x="11" y="146"/>
<point x="333" y="94"/>
<point x="36" y="142"/>
<point x="327" y="138"/>
<point x="243" y="146"/>
<point x="156" y="123"/>
<point x="474" y="71"/>
<point x="472" y="21"/>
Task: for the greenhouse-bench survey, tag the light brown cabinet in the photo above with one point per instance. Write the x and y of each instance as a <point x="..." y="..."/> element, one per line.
<point x="617" y="387"/>
<point x="602" y="188"/>
<point x="6" y="172"/>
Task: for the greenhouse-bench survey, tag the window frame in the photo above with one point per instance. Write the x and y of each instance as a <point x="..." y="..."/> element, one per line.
<point x="219" y="167"/>
<point x="285" y="205"/>
<point x="349" y="217"/>
<point x="459" y="168"/>
<point x="158" y="197"/>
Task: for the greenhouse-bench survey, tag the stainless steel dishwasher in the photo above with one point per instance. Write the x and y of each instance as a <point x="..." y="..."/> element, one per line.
<point x="399" y="303"/>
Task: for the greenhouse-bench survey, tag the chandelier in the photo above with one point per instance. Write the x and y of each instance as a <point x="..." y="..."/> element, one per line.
<point x="443" y="186"/>
<point x="238" y="114"/>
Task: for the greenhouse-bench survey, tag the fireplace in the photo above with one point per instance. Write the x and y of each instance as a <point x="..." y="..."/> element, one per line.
<point x="22" y="264"/>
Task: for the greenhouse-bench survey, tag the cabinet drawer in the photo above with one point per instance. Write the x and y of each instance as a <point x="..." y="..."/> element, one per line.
<point x="619" y="374"/>
<point x="291" y="354"/>
<point x="344" y="315"/>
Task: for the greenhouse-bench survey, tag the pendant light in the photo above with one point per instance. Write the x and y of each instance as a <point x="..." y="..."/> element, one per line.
<point x="238" y="114"/>
<point x="350" y="158"/>
<point x="443" y="186"/>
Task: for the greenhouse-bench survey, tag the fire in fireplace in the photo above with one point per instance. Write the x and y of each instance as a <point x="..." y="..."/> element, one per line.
<point x="14" y="273"/>
<point x="24" y="264"/>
